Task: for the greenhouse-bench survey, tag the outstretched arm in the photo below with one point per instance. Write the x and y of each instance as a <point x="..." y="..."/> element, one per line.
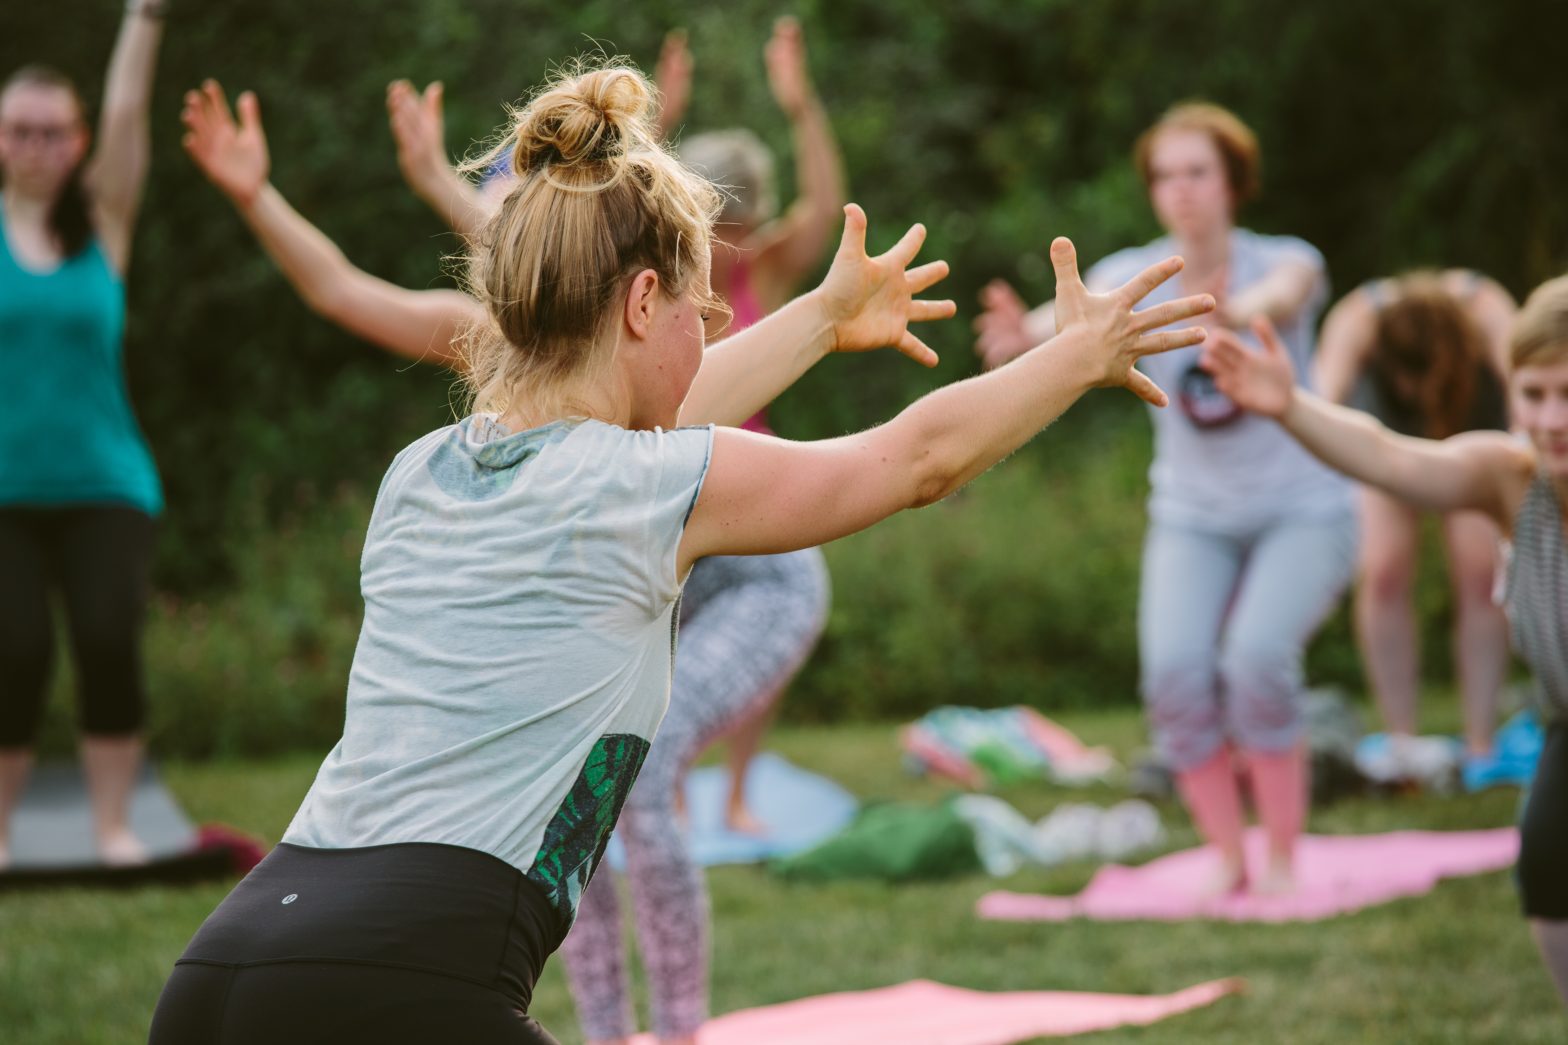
<point x="792" y="246"/>
<point x="864" y="303"/>
<point x="766" y="495"/>
<point x="1485" y="471"/>
<point x="419" y="127"/>
<point x="1279" y="296"/>
<point x="419" y="324"/>
<point x="118" y="169"/>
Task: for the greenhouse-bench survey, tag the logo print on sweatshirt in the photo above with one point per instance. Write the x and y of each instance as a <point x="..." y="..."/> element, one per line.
<point x="575" y="839"/>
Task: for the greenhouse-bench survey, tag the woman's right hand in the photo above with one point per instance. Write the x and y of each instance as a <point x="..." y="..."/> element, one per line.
<point x="232" y="156"/>
<point x="1118" y="336"/>
<point x="1263" y="381"/>
<point x="1002" y="329"/>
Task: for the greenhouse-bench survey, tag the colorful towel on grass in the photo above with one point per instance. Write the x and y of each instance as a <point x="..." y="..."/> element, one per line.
<point x="799" y="809"/>
<point x="925" y="1013"/>
<point x="982" y="749"/>
<point x="1336" y="874"/>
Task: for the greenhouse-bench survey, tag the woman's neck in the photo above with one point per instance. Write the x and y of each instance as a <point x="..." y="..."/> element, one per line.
<point x="605" y="399"/>
<point x="1205" y="255"/>
<point x="23" y="209"/>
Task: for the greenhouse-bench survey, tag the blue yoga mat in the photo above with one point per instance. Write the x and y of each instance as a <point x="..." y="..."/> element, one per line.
<point x="798" y="808"/>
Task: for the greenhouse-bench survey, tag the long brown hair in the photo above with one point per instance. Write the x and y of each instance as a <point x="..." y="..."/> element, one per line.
<point x="1428" y="354"/>
<point x="70" y="218"/>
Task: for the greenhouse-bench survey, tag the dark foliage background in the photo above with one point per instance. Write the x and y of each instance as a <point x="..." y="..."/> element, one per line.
<point x="1395" y="134"/>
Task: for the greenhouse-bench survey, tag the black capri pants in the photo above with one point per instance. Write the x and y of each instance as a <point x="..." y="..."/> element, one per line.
<point x="98" y="557"/>
<point x="1543" y="833"/>
<point x="408" y="944"/>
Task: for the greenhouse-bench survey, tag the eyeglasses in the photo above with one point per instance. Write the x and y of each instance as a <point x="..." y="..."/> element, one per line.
<point x="46" y="134"/>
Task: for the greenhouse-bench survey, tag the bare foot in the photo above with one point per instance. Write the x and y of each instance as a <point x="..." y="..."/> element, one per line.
<point x="1226" y="878"/>
<point x="1278" y="879"/>
<point x="739" y="819"/>
<point x="120" y="848"/>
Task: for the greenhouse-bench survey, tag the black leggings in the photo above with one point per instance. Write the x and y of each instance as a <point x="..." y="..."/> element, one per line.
<point x="1543" y="834"/>
<point x="408" y="944"/>
<point x="98" y="557"/>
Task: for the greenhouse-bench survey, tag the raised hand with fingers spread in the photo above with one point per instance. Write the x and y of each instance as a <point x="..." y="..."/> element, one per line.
<point x="1002" y="329"/>
<point x="419" y="128"/>
<point x="1119" y="336"/>
<point x="870" y="301"/>
<point x="1261" y="380"/>
<point x="233" y="155"/>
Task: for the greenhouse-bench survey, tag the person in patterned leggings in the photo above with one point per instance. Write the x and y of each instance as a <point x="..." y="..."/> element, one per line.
<point x="1522" y="485"/>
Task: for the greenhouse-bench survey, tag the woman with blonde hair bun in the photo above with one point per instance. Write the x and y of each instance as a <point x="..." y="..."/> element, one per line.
<point x="523" y="567"/>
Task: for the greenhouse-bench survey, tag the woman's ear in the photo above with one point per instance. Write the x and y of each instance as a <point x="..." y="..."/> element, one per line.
<point x="642" y="298"/>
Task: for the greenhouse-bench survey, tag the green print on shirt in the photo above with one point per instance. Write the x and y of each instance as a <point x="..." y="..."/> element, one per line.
<point x="577" y="835"/>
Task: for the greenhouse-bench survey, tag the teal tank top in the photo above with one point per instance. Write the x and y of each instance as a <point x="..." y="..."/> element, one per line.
<point x="67" y="433"/>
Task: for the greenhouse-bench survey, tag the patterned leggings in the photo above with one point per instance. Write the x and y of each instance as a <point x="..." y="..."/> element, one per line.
<point x="747" y="625"/>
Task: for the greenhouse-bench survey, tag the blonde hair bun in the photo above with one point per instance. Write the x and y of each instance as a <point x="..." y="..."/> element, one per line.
<point x="591" y="120"/>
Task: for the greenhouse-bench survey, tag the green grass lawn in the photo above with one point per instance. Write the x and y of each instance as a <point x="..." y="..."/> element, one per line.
<point x="85" y="966"/>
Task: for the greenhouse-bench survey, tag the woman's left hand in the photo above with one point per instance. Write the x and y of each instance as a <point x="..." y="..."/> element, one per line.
<point x="870" y="302"/>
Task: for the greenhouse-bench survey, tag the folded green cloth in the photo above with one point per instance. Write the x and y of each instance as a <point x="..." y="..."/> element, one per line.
<point x="893" y="841"/>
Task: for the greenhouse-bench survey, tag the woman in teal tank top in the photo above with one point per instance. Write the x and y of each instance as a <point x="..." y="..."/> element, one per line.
<point x="78" y="489"/>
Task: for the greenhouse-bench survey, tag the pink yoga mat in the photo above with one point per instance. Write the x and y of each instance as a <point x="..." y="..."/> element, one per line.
<point x="924" y="1013"/>
<point x="1335" y="874"/>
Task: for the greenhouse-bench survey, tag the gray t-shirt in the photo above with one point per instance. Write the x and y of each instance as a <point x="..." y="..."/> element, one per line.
<point x="520" y="604"/>
<point x="1217" y="467"/>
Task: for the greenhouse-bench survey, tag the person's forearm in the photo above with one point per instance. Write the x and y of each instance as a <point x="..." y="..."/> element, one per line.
<point x="1361" y="447"/>
<point x="456" y="200"/>
<point x="123" y="152"/>
<point x="745" y="372"/>
<point x="312" y="263"/>
<point x="419" y="324"/>
<point x="1279" y="296"/>
<point x="819" y="167"/>
<point x="959" y="431"/>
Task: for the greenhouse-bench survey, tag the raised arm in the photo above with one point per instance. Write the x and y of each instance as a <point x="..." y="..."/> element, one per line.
<point x="672" y="77"/>
<point x="1484" y="471"/>
<point x="789" y="248"/>
<point x="864" y="303"/>
<point x="117" y="170"/>
<point x="767" y="495"/>
<point x="419" y="324"/>
<point x="419" y="128"/>
<point x="1345" y="346"/>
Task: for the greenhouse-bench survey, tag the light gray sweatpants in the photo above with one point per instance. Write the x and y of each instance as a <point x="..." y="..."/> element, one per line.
<point x="747" y="625"/>
<point x="1223" y="620"/>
